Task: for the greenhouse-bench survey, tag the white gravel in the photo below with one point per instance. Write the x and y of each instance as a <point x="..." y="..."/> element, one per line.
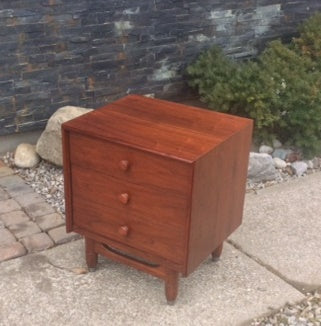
<point x="304" y="313"/>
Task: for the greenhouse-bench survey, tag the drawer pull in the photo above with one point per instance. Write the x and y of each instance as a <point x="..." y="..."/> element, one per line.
<point x="123" y="230"/>
<point x="123" y="198"/>
<point x="124" y="165"/>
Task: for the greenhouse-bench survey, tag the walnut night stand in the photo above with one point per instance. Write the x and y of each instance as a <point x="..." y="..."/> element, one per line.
<point x="154" y="184"/>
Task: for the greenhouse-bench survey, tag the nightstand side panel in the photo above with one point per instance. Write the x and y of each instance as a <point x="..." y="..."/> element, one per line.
<point x="218" y="196"/>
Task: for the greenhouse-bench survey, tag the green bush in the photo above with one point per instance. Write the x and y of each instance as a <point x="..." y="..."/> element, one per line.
<point x="309" y="41"/>
<point x="280" y="90"/>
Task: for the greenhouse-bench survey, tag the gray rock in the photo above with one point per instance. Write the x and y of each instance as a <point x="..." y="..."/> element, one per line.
<point x="279" y="164"/>
<point x="310" y="164"/>
<point x="261" y="167"/>
<point x="276" y="143"/>
<point x="300" y="167"/>
<point x="281" y="153"/>
<point x="266" y="149"/>
<point x="49" y="145"/>
<point x="316" y="162"/>
<point x="26" y="156"/>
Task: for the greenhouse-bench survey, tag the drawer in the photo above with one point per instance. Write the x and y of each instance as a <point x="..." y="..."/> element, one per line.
<point x="130" y="164"/>
<point x="156" y="221"/>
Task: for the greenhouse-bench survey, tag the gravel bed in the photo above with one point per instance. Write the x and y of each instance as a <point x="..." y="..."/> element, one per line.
<point x="283" y="177"/>
<point x="47" y="180"/>
<point x="304" y="313"/>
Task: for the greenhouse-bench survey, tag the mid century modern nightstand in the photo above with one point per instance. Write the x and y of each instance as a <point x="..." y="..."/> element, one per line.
<point x="154" y="184"/>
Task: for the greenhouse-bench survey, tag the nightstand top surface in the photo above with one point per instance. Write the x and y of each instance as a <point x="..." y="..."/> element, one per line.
<point x="166" y="128"/>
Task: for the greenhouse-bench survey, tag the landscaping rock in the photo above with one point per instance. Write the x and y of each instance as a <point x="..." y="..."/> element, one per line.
<point x="279" y="164"/>
<point x="49" y="144"/>
<point x="316" y="163"/>
<point x="300" y="167"/>
<point x="276" y="143"/>
<point x="281" y="153"/>
<point x="294" y="156"/>
<point x="26" y="156"/>
<point x="261" y="167"/>
<point x="265" y="149"/>
<point x="310" y="164"/>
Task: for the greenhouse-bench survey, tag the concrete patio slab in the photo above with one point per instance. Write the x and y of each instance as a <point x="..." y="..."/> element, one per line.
<point x="229" y="292"/>
<point x="281" y="228"/>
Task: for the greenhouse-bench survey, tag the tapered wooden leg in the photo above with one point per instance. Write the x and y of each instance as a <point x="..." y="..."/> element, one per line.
<point x="91" y="255"/>
<point x="217" y="252"/>
<point x="171" y="287"/>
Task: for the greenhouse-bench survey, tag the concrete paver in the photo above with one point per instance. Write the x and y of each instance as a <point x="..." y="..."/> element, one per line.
<point x="228" y="292"/>
<point x="38" y="209"/>
<point x="60" y="236"/>
<point x="14" y="217"/>
<point x="281" y="228"/>
<point x="37" y="242"/>
<point x="6" y="237"/>
<point x="15" y="249"/>
<point x="3" y="195"/>
<point x="48" y="222"/>
<point x="5" y="171"/>
<point x="8" y="205"/>
<point x="14" y="185"/>
<point x="28" y="199"/>
<point x="24" y="229"/>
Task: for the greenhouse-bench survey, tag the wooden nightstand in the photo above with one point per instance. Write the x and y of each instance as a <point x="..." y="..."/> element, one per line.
<point x="154" y="184"/>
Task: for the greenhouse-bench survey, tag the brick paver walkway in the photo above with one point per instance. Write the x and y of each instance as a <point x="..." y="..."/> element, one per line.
<point x="27" y="222"/>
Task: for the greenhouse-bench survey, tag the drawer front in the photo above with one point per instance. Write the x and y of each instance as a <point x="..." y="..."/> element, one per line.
<point x="129" y="164"/>
<point x="145" y="219"/>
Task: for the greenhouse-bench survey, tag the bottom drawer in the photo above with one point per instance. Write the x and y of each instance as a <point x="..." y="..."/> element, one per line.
<point x="152" y="221"/>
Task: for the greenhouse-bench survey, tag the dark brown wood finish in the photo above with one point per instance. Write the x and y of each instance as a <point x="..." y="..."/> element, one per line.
<point x="155" y="185"/>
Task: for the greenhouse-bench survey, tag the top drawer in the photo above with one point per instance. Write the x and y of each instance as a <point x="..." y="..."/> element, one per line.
<point x="130" y="164"/>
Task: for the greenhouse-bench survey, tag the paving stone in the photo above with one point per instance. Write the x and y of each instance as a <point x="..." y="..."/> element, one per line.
<point x="47" y="222"/>
<point x="15" y="217"/>
<point x="24" y="229"/>
<point x="37" y="242"/>
<point x="8" y="205"/>
<point x="6" y="237"/>
<point x="39" y="209"/>
<point x="3" y="195"/>
<point x="59" y="235"/>
<point x="14" y="185"/>
<point x="13" y="250"/>
<point x="29" y="198"/>
<point x="5" y="171"/>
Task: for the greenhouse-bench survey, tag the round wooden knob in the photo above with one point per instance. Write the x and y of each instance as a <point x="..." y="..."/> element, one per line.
<point x="123" y="198"/>
<point x="124" y="165"/>
<point x="123" y="230"/>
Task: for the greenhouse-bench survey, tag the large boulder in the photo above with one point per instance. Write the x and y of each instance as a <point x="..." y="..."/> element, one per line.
<point x="261" y="167"/>
<point x="49" y="145"/>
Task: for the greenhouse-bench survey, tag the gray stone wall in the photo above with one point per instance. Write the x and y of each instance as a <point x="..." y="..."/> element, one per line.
<point x="89" y="52"/>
